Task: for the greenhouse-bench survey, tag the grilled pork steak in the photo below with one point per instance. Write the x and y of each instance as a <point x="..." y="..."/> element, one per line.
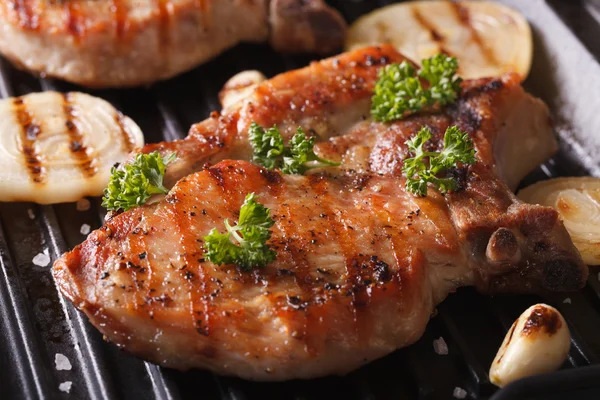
<point x="360" y="264"/>
<point x="133" y="42"/>
<point x="331" y="99"/>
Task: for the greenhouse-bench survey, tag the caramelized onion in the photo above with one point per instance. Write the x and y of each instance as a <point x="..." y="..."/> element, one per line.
<point x="57" y="147"/>
<point x="578" y="202"/>
<point x="487" y="38"/>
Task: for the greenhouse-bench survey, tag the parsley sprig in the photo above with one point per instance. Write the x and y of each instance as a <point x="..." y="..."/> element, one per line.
<point x="267" y="145"/>
<point x="248" y="248"/>
<point x="399" y="92"/>
<point x="458" y="147"/>
<point x="440" y="72"/>
<point x="296" y="158"/>
<point x="132" y="184"/>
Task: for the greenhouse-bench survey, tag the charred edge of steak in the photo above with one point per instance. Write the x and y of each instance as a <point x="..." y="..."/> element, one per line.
<point x="562" y="275"/>
<point x="510" y="266"/>
<point x="459" y="174"/>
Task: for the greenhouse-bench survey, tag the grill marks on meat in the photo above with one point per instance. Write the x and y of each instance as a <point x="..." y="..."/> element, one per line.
<point x="26" y="16"/>
<point x="133" y="42"/>
<point x="361" y="263"/>
<point x="266" y="315"/>
<point x="328" y="99"/>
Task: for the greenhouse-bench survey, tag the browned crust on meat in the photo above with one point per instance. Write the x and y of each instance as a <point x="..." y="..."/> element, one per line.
<point x="37" y="16"/>
<point x="98" y="44"/>
<point x="352" y="245"/>
<point x="369" y="283"/>
<point x="121" y="43"/>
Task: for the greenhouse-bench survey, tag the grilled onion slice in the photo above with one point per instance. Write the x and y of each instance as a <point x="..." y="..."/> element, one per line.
<point x="57" y="147"/>
<point x="487" y="38"/>
<point x="577" y="200"/>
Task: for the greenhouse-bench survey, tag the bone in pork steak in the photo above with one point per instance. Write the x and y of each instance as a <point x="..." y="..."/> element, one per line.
<point x="133" y="42"/>
<point x="360" y="264"/>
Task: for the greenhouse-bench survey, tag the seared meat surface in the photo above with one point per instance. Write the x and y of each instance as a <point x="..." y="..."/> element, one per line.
<point x="360" y="264"/>
<point x="133" y="42"/>
<point x="331" y="99"/>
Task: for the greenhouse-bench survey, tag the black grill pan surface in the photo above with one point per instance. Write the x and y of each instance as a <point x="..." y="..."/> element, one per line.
<point x="36" y="324"/>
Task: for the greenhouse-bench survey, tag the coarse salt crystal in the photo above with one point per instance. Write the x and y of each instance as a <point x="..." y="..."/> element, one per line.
<point x="440" y="346"/>
<point x="62" y="362"/>
<point x="41" y="260"/>
<point x="459" y="393"/>
<point x="567" y="300"/>
<point x="83" y="205"/>
<point x="85" y="229"/>
<point x="30" y="213"/>
<point x="65" y="386"/>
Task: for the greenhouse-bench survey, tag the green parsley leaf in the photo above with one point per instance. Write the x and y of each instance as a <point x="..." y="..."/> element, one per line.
<point x="440" y="71"/>
<point x="301" y="157"/>
<point x="132" y="184"/>
<point x="458" y="147"/>
<point x="268" y="145"/>
<point x="249" y="247"/>
<point x="398" y="91"/>
<point x="296" y="158"/>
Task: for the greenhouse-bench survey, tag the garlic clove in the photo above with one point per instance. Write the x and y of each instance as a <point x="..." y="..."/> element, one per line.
<point x="538" y="342"/>
<point x="239" y="87"/>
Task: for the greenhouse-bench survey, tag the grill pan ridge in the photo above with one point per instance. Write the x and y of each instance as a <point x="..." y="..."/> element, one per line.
<point x="37" y="324"/>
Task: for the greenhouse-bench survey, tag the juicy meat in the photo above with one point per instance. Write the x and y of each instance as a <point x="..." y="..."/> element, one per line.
<point x="331" y="100"/>
<point x="360" y="264"/>
<point x="133" y="42"/>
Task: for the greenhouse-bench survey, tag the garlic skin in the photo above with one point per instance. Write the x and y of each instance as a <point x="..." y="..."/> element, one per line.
<point x="239" y="87"/>
<point x="577" y="200"/>
<point x="538" y="342"/>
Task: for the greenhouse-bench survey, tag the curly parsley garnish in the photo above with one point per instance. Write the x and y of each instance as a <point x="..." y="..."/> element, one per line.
<point x="132" y="185"/>
<point x="458" y="147"/>
<point x="296" y="158"/>
<point x="267" y="145"/>
<point x="398" y="91"/>
<point x="249" y="247"/>
<point x="440" y="72"/>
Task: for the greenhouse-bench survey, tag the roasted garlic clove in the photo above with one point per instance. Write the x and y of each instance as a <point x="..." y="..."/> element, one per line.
<point x="239" y="87"/>
<point x="538" y="342"/>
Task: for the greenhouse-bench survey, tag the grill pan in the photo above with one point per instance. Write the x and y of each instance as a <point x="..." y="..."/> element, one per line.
<point x="36" y="323"/>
